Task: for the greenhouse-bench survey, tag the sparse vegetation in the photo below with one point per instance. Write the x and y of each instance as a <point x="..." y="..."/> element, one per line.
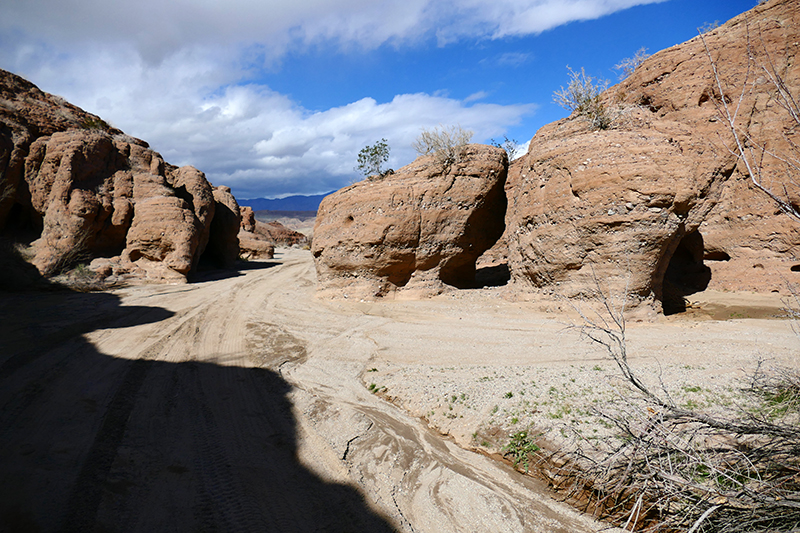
<point x="675" y="467"/>
<point x="511" y="146"/>
<point x="372" y="158"/>
<point x="583" y="96"/>
<point x="443" y="142"/>
<point x="521" y="449"/>
<point x="627" y="66"/>
<point x="94" y="123"/>
<point x="708" y="26"/>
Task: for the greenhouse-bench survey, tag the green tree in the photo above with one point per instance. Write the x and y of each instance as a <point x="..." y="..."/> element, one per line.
<point x="371" y="158"/>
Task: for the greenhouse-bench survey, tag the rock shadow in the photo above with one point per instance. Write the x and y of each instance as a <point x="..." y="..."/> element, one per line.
<point x="90" y="442"/>
<point x="686" y="273"/>
<point x="492" y="276"/>
<point x="216" y="274"/>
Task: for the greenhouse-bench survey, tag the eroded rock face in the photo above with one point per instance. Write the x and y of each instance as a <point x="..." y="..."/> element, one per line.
<point x="420" y="227"/>
<point x="223" y="242"/>
<point x="280" y="234"/>
<point x="78" y="189"/>
<point x="252" y="243"/>
<point x="645" y="202"/>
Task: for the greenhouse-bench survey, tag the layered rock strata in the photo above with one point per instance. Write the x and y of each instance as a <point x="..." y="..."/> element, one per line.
<point x="79" y="190"/>
<point x="658" y="204"/>
<point x="416" y="229"/>
<point x="252" y="242"/>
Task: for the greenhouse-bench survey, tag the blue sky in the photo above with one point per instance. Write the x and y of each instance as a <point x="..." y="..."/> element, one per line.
<point x="277" y="98"/>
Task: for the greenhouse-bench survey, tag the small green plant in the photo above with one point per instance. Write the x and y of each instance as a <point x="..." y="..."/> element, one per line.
<point x="509" y="394"/>
<point x="371" y="158"/>
<point x="583" y="96"/>
<point x="82" y="272"/>
<point x="521" y="448"/>
<point x="691" y="404"/>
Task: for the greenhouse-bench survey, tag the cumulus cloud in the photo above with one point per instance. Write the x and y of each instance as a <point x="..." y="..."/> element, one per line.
<point x="159" y="28"/>
<point x="173" y="73"/>
<point x="255" y="140"/>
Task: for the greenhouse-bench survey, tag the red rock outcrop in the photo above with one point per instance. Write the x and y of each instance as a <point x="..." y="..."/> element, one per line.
<point x="420" y="227"/>
<point x="280" y="234"/>
<point x="77" y="189"/>
<point x="654" y="200"/>
<point x="253" y="245"/>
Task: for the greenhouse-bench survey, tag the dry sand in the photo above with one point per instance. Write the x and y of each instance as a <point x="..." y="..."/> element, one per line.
<point x="243" y="403"/>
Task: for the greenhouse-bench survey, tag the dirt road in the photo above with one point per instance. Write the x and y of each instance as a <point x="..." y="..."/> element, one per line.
<point x="231" y="404"/>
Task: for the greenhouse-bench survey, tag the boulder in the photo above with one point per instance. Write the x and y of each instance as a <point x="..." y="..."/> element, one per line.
<point x="648" y="204"/>
<point x="77" y="190"/>
<point x="253" y="245"/>
<point x="280" y="234"/>
<point x="419" y="228"/>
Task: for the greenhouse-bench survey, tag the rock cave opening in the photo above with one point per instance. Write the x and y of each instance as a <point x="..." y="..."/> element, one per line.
<point x="493" y="276"/>
<point x="686" y="273"/>
<point x="23" y="224"/>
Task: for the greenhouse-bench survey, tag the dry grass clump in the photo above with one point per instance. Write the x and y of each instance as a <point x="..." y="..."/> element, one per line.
<point x="445" y="143"/>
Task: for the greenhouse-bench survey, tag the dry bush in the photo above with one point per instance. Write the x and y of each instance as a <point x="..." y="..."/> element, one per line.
<point x="756" y="153"/>
<point x="583" y="96"/>
<point x="445" y="143"/>
<point x="674" y="468"/>
<point x="629" y="64"/>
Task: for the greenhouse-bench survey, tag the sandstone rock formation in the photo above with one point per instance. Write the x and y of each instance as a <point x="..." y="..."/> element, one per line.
<point x="420" y="227"/>
<point x="658" y="201"/>
<point x="252" y="243"/>
<point x="77" y="189"/>
<point x="280" y="234"/>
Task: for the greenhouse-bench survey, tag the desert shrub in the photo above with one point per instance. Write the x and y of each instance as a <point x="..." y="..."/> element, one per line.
<point x="682" y="468"/>
<point x="629" y="64"/>
<point x="583" y="96"/>
<point x="371" y="158"/>
<point x="511" y="146"/>
<point x="92" y="122"/>
<point x="445" y="143"/>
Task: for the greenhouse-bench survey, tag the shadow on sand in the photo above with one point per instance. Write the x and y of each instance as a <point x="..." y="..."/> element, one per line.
<point x="90" y="442"/>
<point x="216" y="274"/>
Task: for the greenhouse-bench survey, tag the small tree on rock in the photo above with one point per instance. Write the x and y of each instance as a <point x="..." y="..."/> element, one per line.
<point x="371" y="158"/>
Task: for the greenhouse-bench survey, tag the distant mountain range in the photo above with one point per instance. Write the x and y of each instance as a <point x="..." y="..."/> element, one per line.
<point x="290" y="203"/>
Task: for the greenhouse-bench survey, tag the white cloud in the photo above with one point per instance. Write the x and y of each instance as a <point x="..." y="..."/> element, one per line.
<point x="474" y="97"/>
<point x="158" y="29"/>
<point x="171" y="73"/>
<point x="253" y="139"/>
